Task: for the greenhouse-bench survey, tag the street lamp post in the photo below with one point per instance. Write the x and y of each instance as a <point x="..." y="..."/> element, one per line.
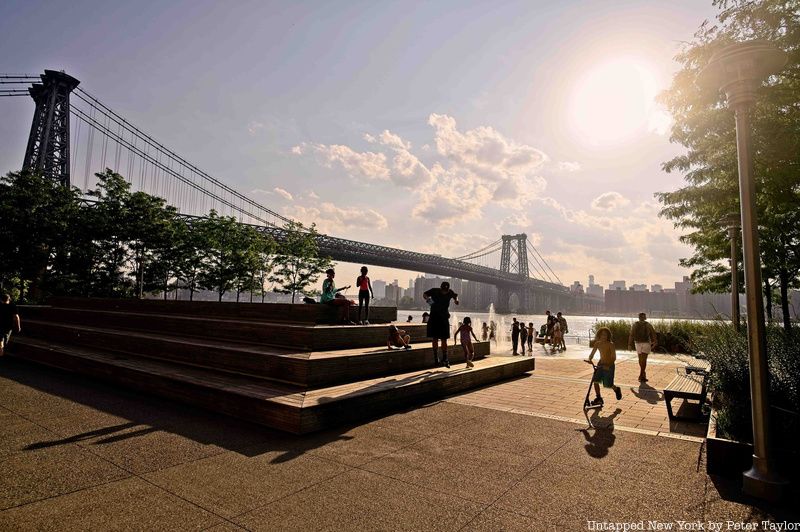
<point x="733" y="226"/>
<point x="739" y="70"/>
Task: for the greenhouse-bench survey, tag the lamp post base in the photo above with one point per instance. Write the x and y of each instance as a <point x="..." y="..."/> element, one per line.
<point x="766" y="486"/>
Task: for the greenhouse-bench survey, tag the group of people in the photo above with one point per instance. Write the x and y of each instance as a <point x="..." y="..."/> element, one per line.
<point x="550" y="333"/>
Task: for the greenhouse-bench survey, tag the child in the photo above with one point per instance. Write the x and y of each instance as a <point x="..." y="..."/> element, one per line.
<point x="365" y="293"/>
<point x="523" y="336"/>
<point x="485" y="331"/>
<point x="605" y="368"/>
<point x="398" y="338"/>
<point x="531" y="335"/>
<point x="465" y="329"/>
<point x="555" y="341"/>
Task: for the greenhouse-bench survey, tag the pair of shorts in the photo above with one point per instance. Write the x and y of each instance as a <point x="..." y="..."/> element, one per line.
<point x="604" y="375"/>
<point x="643" y="347"/>
<point x="5" y="338"/>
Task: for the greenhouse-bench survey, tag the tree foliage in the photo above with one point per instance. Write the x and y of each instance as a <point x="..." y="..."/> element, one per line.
<point x="120" y="243"/>
<point x="706" y="128"/>
<point x="297" y="263"/>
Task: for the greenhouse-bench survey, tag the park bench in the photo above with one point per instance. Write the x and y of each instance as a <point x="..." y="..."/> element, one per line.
<point x="692" y="384"/>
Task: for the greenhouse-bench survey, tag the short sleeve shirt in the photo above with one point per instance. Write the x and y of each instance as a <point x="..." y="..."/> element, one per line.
<point x="441" y="300"/>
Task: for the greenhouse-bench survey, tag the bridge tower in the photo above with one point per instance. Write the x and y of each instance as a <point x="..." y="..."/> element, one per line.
<point x="48" y="142"/>
<point x="513" y="259"/>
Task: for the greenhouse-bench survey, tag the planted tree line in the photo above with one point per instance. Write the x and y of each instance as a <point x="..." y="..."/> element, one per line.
<point x="124" y="244"/>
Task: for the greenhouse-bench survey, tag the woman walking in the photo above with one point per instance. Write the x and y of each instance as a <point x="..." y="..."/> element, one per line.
<point x="439" y="320"/>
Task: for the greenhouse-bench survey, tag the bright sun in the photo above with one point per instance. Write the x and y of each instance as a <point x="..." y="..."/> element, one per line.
<point x="613" y="101"/>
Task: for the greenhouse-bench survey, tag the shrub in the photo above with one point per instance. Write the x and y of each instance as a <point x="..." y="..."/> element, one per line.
<point x="727" y="352"/>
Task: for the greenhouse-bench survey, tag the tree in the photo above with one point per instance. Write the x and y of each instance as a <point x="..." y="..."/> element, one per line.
<point x="35" y="215"/>
<point x="297" y="263"/>
<point x="705" y="127"/>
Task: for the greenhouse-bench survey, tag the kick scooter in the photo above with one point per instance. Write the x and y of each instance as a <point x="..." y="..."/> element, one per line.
<point x="587" y="405"/>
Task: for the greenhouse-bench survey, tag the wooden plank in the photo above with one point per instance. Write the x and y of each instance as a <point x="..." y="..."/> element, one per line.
<point x="283" y="312"/>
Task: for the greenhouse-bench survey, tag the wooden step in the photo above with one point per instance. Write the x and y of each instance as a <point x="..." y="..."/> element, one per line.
<point x="294" y="336"/>
<point x="310" y="369"/>
<point x="282" y="406"/>
<point x="280" y="312"/>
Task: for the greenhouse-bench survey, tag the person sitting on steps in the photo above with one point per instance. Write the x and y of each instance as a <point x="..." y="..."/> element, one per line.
<point x="331" y="296"/>
<point x="398" y="338"/>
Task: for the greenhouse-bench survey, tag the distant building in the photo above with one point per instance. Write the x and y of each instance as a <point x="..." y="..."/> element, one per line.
<point x="576" y="288"/>
<point x="591" y="280"/>
<point x="617" y="285"/>
<point x="656" y="288"/>
<point x="379" y="287"/>
<point x="595" y="290"/>
<point x="639" y="287"/>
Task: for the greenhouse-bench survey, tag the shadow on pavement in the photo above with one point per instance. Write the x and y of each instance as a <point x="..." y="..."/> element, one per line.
<point x="153" y="414"/>
<point x="646" y="393"/>
<point x="602" y="439"/>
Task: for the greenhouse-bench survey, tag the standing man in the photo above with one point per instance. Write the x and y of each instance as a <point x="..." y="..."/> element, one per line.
<point x="9" y="321"/>
<point x="515" y="335"/>
<point x="643" y="338"/>
<point x="439" y="321"/>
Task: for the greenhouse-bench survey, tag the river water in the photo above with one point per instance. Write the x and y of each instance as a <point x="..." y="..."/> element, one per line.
<point x="580" y="327"/>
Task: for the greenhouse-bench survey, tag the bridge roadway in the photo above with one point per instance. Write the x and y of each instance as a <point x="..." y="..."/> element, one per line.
<point x="363" y="253"/>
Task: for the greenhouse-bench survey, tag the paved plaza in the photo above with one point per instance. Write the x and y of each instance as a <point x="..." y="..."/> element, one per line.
<point x="78" y="455"/>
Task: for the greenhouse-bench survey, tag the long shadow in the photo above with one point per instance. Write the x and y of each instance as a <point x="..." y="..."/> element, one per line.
<point x="153" y="414"/>
<point x="730" y="489"/>
<point x="647" y="393"/>
<point x="602" y="439"/>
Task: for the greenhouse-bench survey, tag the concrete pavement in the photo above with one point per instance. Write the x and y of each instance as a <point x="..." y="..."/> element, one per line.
<point x="78" y="455"/>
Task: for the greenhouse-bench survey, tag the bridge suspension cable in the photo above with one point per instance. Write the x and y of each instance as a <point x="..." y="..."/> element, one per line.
<point x="536" y="253"/>
<point x="486" y="250"/>
<point x="165" y="169"/>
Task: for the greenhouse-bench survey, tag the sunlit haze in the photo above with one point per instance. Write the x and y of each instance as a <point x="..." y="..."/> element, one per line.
<point x="428" y="126"/>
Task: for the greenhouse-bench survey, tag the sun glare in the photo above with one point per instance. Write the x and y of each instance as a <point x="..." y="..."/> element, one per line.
<point x="613" y="101"/>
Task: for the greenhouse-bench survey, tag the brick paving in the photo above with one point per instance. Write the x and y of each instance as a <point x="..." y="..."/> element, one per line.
<point x="558" y="386"/>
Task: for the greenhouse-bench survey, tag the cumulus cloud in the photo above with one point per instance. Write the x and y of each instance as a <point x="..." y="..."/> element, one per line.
<point x="330" y="217"/>
<point x="283" y="193"/>
<point x="609" y="201"/>
<point x="371" y="165"/>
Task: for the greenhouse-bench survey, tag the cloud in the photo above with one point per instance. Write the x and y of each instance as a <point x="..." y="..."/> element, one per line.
<point x="485" y="155"/>
<point x="567" y="166"/>
<point x="609" y="201"/>
<point x="330" y="217"/>
<point x="371" y="165"/>
<point x="283" y="193"/>
<point x="451" y="198"/>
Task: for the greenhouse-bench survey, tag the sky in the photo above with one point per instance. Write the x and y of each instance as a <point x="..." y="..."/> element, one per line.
<point x="428" y="126"/>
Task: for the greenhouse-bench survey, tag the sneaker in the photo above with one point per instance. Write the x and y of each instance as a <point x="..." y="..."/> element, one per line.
<point x="597" y="401"/>
<point x="618" y="392"/>
<point x="365" y="322"/>
<point x="447" y="364"/>
<point x="408" y="347"/>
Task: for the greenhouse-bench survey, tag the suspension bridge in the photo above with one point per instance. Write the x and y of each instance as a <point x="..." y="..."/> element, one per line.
<point x="102" y="138"/>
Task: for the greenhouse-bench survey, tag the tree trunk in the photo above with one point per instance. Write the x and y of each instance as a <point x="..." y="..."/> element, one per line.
<point x="768" y="296"/>
<point x="783" y="276"/>
<point x="219" y="300"/>
<point x="293" y="294"/>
